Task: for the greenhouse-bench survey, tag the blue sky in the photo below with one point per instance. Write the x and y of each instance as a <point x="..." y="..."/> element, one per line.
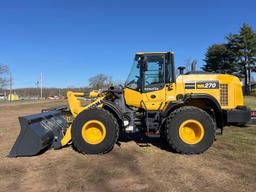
<point x="70" y="41"/>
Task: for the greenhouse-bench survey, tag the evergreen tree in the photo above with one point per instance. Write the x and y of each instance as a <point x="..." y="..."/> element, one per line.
<point x="219" y="59"/>
<point x="237" y="56"/>
<point x="243" y="47"/>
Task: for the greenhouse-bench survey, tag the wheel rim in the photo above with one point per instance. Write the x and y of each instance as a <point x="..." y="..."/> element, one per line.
<point x="191" y="131"/>
<point x="93" y="132"/>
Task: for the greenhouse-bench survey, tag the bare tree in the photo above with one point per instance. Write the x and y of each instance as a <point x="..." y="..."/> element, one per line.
<point x="3" y="80"/>
<point x="118" y="83"/>
<point x="100" y="81"/>
<point x="186" y="64"/>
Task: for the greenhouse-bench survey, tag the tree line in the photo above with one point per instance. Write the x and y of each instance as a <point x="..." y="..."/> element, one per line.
<point x="47" y="92"/>
<point x="99" y="81"/>
<point x="236" y="56"/>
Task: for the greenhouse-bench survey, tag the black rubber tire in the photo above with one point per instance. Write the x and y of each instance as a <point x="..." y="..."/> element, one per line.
<point x="112" y="131"/>
<point x="177" y="117"/>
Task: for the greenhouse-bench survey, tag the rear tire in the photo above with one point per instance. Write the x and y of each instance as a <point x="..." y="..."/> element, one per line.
<point x="83" y="141"/>
<point x="190" y="130"/>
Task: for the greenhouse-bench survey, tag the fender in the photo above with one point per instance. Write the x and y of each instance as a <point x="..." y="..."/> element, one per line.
<point x="203" y="96"/>
<point x="171" y="107"/>
<point x="113" y="108"/>
<point x="214" y="103"/>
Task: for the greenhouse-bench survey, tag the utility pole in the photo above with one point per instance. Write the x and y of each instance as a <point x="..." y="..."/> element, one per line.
<point x="10" y="86"/>
<point x="41" y="85"/>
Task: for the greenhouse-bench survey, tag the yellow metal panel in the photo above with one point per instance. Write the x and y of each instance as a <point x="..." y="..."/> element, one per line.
<point x="75" y="104"/>
<point x="238" y="93"/>
<point x="94" y="93"/>
<point x="154" y="103"/>
<point x="169" y="93"/>
<point x="144" y="100"/>
<point x="67" y="137"/>
<point x="235" y="95"/>
<point x="132" y="97"/>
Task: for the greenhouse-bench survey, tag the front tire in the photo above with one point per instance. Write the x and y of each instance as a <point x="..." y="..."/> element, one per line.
<point x="94" y="131"/>
<point x="190" y="130"/>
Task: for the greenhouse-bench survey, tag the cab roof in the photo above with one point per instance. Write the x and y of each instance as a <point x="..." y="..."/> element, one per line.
<point x="143" y="53"/>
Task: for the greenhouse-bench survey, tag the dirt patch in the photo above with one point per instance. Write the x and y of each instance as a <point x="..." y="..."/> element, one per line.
<point x="229" y="165"/>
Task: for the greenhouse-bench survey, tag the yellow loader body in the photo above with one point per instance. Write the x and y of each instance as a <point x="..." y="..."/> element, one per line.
<point x="226" y="89"/>
<point x="185" y="110"/>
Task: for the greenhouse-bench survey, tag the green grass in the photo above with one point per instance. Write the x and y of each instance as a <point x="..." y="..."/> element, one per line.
<point x="250" y="101"/>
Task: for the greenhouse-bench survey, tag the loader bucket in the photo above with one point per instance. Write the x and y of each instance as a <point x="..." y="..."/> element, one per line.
<point x="39" y="132"/>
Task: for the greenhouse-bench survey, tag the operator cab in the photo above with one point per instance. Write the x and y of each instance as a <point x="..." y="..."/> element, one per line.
<point x="151" y="71"/>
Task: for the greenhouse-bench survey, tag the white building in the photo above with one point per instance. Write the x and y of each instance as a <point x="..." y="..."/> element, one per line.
<point x="2" y="96"/>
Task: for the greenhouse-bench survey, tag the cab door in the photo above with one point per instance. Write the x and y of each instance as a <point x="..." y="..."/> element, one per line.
<point x="154" y="89"/>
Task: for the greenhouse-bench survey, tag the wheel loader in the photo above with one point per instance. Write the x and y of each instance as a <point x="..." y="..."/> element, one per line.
<point x="185" y="111"/>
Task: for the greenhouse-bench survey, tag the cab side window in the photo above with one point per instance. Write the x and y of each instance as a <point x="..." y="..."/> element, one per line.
<point x="154" y="74"/>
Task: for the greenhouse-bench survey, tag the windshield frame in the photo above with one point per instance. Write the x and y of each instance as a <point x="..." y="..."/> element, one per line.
<point x="168" y="65"/>
<point x="135" y="72"/>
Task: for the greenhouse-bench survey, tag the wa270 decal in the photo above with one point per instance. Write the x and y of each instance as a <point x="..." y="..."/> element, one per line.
<point x="202" y="85"/>
<point x="207" y="85"/>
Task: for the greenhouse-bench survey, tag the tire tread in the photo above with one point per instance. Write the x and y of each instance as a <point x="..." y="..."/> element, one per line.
<point x="170" y="118"/>
<point x="77" y="148"/>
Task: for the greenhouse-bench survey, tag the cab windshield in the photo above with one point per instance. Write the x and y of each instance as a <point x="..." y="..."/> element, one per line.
<point x="134" y="79"/>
